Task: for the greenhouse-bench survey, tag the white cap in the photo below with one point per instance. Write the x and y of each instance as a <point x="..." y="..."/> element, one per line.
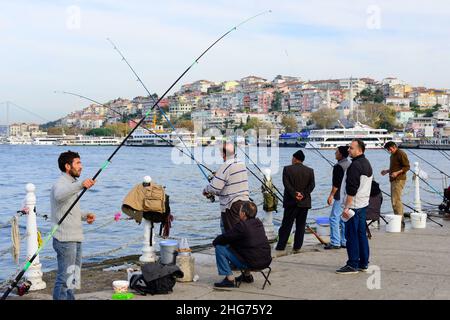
<point x="147" y="179"/>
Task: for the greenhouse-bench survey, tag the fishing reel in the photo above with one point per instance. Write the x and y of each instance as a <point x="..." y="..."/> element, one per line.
<point x="211" y="176"/>
<point x="23" y="288"/>
<point x="211" y="197"/>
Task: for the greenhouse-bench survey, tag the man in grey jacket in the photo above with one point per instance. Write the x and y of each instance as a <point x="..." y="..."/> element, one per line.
<point x="68" y="237"/>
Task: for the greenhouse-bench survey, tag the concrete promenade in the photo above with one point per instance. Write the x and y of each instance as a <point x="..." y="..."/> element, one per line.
<point x="414" y="264"/>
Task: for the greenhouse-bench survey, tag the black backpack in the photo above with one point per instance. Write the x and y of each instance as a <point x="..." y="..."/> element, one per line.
<point x="156" y="278"/>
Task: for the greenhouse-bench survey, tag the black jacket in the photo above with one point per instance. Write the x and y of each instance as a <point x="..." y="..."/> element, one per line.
<point x="298" y="178"/>
<point x="248" y="241"/>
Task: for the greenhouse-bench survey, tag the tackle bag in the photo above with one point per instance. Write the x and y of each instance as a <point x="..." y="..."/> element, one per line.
<point x="156" y="278"/>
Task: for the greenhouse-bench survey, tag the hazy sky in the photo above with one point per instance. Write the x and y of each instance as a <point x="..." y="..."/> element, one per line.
<point x="61" y="45"/>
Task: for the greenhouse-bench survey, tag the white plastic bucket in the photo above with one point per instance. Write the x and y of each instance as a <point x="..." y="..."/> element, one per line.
<point x="168" y="251"/>
<point x="323" y="226"/>
<point x="394" y="223"/>
<point x="418" y="220"/>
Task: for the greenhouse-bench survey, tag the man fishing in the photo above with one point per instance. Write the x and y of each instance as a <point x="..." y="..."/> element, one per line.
<point x="68" y="237"/>
<point x="399" y="166"/>
<point x="230" y="183"/>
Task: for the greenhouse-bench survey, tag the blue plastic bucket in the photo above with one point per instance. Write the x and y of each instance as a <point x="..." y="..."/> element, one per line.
<point x="323" y="220"/>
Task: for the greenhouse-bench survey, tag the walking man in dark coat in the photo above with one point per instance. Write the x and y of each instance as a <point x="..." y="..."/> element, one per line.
<point x="298" y="181"/>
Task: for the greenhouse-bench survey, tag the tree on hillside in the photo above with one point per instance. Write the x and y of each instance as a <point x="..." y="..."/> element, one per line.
<point x="186" y="124"/>
<point x="276" y="102"/>
<point x="100" y="132"/>
<point x="289" y="123"/>
<point x="325" y="117"/>
<point x="378" y="115"/>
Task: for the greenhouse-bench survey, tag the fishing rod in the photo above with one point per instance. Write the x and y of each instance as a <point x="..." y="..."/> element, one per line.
<point x="148" y="129"/>
<point x="259" y="169"/>
<point x="107" y="162"/>
<point x="154" y="101"/>
<point x="429" y="163"/>
<point x="412" y="209"/>
<point x="423" y="180"/>
<point x="281" y="200"/>
<point x="437" y="148"/>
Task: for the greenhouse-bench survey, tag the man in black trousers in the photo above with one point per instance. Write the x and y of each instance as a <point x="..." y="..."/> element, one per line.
<point x="298" y="181"/>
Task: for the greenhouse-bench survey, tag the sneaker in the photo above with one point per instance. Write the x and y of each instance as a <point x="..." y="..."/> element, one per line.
<point x="330" y="246"/>
<point x="347" y="270"/>
<point x="245" y="278"/>
<point x="225" y="284"/>
<point x="363" y="269"/>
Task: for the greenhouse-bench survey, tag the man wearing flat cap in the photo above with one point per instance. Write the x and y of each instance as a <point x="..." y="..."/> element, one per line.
<point x="298" y="181"/>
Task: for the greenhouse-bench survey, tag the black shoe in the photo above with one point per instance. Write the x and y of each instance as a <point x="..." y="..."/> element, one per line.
<point x="245" y="278"/>
<point x="330" y="246"/>
<point x="347" y="270"/>
<point x="343" y="246"/>
<point x="225" y="283"/>
<point x="363" y="269"/>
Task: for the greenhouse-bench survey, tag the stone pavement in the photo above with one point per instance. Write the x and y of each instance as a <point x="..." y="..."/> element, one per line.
<point x="414" y="264"/>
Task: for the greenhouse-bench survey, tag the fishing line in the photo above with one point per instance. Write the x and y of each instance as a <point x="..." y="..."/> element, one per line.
<point x="148" y="129"/>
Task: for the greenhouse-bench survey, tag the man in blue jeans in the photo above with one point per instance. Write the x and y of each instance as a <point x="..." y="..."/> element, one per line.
<point x="244" y="247"/>
<point x="355" y="194"/>
<point x="337" y="226"/>
<point x="68" y="237"/>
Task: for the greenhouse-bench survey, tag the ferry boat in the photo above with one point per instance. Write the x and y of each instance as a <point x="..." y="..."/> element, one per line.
<point x="13" y="140"/>
<point x="81" y="140"/>
<point x="426" y="143"/>
<point x="45" y="141"/>
<point x="142" y="138"/>
<point x="332" y="138"/>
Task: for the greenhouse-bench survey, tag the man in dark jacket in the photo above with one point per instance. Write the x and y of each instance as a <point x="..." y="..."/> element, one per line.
<point x="298" y="181"/>
<point x="245" y="246"/>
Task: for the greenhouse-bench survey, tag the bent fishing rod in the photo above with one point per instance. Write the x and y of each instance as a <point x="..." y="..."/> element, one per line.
<point x="107" y="162"/>
<point x="159" y="108"/>
<point x="142" y="126"/>
<point x="138" y="78"/>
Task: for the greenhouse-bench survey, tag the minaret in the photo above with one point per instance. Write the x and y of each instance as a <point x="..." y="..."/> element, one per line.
<point x="351" y="96"/>
<point x="7" y="119"/>
<point x="328" y="98"/>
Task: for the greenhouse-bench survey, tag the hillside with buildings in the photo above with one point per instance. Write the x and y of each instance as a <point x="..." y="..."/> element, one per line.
<point x="232" y="104"/>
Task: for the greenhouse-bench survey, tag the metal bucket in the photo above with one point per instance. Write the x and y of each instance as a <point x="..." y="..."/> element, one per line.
<point x="168" y="251"/>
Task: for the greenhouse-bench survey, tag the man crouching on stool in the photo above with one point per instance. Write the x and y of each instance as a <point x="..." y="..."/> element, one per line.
<point x="244" y="247"/>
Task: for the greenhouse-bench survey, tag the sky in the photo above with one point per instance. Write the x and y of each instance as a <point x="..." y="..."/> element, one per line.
<point x="61" y="45"/>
